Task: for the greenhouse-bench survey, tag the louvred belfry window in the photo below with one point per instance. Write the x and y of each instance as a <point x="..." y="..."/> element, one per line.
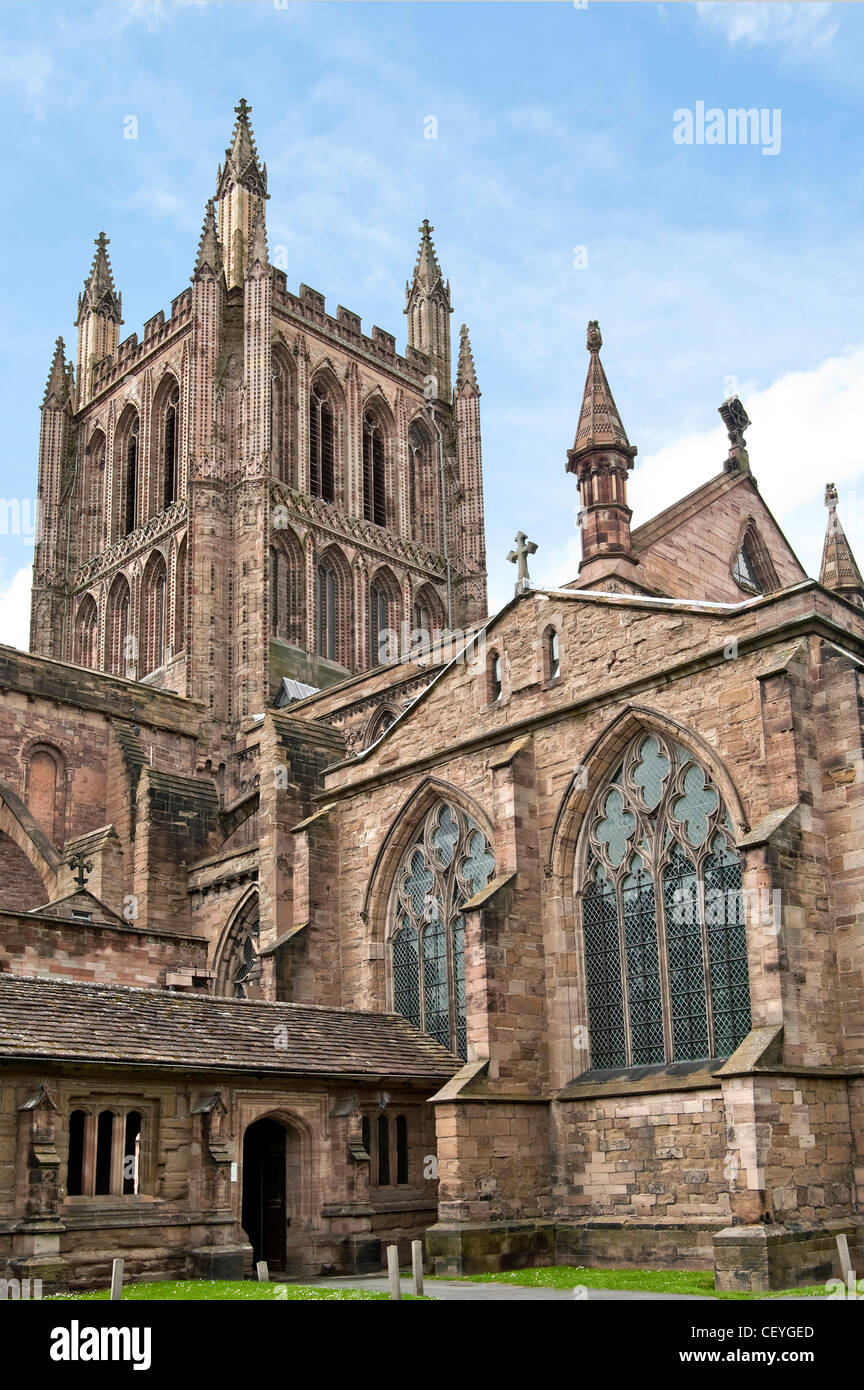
<point x="322" y="445"/>
<point x="169" y="445"/>
<point x="374" y="472"/>
<point x="448" y="861"/>
<point x="662" y="910"/>
<point x="130" y="479"/>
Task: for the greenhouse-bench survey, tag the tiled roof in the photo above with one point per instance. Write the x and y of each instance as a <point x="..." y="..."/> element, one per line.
<point x="66" y="1020"/>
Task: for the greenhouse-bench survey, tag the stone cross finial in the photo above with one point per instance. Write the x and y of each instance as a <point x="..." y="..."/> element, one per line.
<point x="242" y="108"/>
<point x="736" y="420"/>
<point x="83" y="866"/>
<point x="519" y="557"/>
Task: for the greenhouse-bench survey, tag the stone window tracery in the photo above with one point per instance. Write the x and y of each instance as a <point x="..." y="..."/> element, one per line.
<point x="374" y="470"/>
<point x="664" y="942"/>
<point x="447" y="862"/>
<point x="322" y="444"/>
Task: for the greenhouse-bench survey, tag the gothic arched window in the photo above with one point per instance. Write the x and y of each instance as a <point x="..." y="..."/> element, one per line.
<point x="92" y="495"/>
<point x="752" y="568"/>
<point x="129" y="500"/>
<point x="281" y="418"/>
<point x="384" y="606"/>
<point x="662" y="914"/>
<point x="180" y="598"/>
<point x="86" y="630"/>
<point x="153" y="626"/>
<point x="374" y="470"/>
<point x="333" y="608"/>
<point x="239" y="968"/>
<point x="286" y="589"/>
<point x="424" y="488"/>
<point x="427" y="618"/>
<point x="170" y="442"/>
<point x="447" y="862"/>
<point x="120" y="648"/>
<point x="322" y="444"/>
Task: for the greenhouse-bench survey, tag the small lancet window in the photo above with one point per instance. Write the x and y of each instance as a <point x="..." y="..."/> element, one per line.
<point x="495" y="677"/>
<point x="745" y="571"/>
<point x="383" y="1151"/>
<point x="553" y="655"/>
<point x="401" y="1149"/>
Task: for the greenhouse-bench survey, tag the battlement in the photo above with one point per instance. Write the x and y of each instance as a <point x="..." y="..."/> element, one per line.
<point x="309" y="305"/>
<point x="132" y="351"/>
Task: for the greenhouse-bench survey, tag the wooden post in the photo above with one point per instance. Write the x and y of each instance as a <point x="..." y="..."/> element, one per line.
<point x="845" y="1262"/>
<point x="393" y="1271"/>
<point x="263" y="1272"/>
<point x="417" y="1267"/>
<point x="116" y="1280"/>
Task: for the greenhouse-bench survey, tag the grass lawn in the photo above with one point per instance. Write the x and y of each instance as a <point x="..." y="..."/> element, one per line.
<point x="230" y="1290"/>
<point x="696" y="1281"/>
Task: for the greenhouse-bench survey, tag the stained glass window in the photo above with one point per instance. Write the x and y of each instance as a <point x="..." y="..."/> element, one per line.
<point x="447" y="862"/>
<point x="662" y="917"/>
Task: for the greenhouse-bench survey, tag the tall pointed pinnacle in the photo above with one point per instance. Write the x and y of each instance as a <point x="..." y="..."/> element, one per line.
<point x="466" y="376"/>
<point x="427" y="271"/>
<point x="209" y="255"/>
<point x="427" y="304"/>
<point x="241" y="195"/>
<point x="241" y="158"/>
<point x="100" y="312"/>
<point x="600" y="424"/>
<point x="258" y="244"/>
<point x="100" y="295"/>
<point x="57" y="386"/>
<point x="601" y="458"/>
<point x="839" y="569"/>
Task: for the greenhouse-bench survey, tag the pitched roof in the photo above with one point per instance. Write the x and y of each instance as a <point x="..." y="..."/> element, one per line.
<point x="675" y="515"/>
<point x="66" y="1020"/>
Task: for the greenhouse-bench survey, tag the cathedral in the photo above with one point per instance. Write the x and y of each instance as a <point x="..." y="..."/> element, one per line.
<point x="335" y="912"/>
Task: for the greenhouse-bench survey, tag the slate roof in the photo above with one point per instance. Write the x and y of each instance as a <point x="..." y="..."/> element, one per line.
<point x="66" y="1020"/>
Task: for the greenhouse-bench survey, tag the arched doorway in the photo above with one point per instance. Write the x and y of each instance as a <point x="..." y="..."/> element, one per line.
<point x="265" y="1214"/>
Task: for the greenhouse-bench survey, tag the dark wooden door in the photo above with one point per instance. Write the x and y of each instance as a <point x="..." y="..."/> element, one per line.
<point x="264" y="1204"/>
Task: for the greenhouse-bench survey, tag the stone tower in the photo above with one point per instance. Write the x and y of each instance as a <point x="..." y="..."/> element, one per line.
<point x="255" y="488"/>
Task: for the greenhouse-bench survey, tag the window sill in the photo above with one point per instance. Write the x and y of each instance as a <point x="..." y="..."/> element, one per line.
<point x="105" y="1201"/>
<point x="630" y="1081"/>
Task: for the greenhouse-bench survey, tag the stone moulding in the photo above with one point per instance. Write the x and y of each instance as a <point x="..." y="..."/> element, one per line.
<point x="129" y="546"/>
<point x="361" y="533"/>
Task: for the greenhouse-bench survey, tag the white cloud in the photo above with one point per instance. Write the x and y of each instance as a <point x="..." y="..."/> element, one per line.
<point x="15" y="610"/>
<point x="798" y="442"/>
<point x="798" y="27"/>
<point x="24" y="77"/>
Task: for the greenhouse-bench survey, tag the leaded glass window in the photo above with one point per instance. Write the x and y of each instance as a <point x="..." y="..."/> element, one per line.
<point x="664" y="940"/>
<point x="447" y="862"/>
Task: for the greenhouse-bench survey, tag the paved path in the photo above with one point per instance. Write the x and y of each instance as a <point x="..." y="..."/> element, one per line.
<point x="457" y="1290"/>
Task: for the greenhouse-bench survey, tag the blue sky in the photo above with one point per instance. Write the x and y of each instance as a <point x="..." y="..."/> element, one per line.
<point x="710" y="268"/>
